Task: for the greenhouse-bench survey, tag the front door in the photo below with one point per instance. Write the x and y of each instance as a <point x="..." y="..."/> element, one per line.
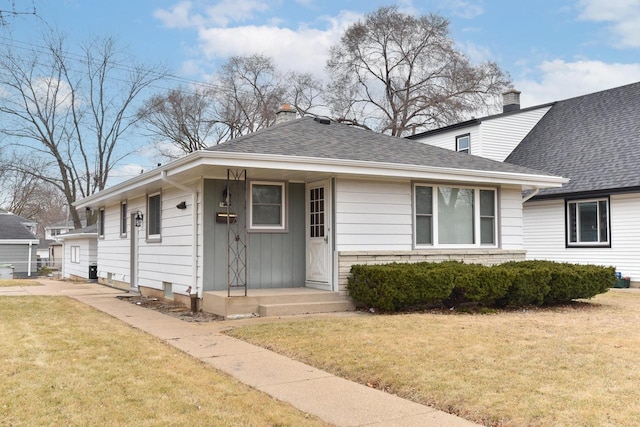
<point x="318" y="223"/>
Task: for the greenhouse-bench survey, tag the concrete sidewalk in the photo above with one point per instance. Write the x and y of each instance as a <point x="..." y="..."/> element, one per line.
<point x="333" y="399"/>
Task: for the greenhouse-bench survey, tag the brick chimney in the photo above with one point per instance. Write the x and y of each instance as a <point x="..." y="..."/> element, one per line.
<point x="285" y="113"/>
<point x="510" y="100"/>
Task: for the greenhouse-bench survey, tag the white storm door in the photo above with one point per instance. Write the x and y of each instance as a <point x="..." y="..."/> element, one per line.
<point x="318" y="235"/>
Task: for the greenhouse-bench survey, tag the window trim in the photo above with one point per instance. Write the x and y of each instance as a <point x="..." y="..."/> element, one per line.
<point x="477" y="237"/>
<point x="101" y="223"/>
<point x="466" y="150"/>
<point x="153" y="237"/>
<point x="123" y="219"/>
<point x="578" y="244"/>
<point x="75" y="254"/>
<point x="283" y="227"/>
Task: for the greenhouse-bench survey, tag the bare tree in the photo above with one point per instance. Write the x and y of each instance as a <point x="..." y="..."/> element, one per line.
<point x="70" y="111"/>
<point x="400" y="74"/>
<point x="182" y="117"/>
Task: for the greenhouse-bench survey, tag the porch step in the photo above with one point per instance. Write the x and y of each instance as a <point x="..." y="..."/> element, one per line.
<point x="275" y="302"/>
<point x="290" y="309"/>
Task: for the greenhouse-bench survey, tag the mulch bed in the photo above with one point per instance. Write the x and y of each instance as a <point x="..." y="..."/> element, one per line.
<point x="170" y="308"/>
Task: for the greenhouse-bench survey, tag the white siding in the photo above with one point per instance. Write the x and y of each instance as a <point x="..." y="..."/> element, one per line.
<point x="501" y="135"/>
<point x="169" y="260"/>
<point x="511" y="218"/>
<point x="544" y="227"/>
<point x="448" y="139"/>
<point x="88" y="248"/>
<point x="373" y="215"/>
<point x="492" y="138"/>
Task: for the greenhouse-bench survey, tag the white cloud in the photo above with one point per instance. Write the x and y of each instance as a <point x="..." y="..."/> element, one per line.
<point x="224" y="12"/>
<point x="179" y="16"/>
<point x="622" y="15"/>
<point x="303" y="49"/>
<point x="467" y="9"/>
<point x="561" y="80"/>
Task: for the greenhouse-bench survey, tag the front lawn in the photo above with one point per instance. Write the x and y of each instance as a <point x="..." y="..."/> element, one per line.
<point x="63" y="363"/>
<point x="17" y="282"/>
<point x="564" y="366"/>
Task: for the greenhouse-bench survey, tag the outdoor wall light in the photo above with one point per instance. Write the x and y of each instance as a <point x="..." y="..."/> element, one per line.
<point x="139" y="217"/>
<point x="182" y="205"/>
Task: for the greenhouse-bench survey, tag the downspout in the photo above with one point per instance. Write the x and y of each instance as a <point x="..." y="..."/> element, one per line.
<point x="193" y="292"/>
<point x="531" y="195"/>
<point x="29" y="260"/>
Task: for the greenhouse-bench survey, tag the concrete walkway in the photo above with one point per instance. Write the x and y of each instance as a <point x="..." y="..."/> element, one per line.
<point x="333" y="399"/>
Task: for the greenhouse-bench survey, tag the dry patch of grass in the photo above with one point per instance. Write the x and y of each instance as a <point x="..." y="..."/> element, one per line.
<point x="18" y="282"/>
<point x="568" y="366"/>
<point x="63" y="363"/>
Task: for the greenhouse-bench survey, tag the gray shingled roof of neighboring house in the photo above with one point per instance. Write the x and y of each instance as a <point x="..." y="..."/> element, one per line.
<point x="93" y="228"/>
<point x="12" y="228"/>
<point x="307" y="137"/>
<point x="591" y="139"/>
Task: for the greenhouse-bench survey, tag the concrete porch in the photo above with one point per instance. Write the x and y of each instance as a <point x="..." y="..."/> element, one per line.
<point x="274" y="302"/>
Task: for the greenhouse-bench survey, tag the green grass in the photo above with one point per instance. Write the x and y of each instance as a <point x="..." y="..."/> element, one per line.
<point x="18" y="282"/>
<point x="64" y="363"/>
<point x="568" y="366"/>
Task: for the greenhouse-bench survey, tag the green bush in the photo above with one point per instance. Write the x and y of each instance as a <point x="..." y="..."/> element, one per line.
<point x="393" y="287"/>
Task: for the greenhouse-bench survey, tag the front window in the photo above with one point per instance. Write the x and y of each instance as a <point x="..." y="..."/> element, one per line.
<point x="267" y="206"/>
<point x="463" y="143"/>
<point x="454" y="216"/>
<point x="588" y="222"/>
<point x="154" y="204"/>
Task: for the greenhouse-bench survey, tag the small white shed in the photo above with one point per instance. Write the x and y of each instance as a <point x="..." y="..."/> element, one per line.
<point x="80" y="253"/>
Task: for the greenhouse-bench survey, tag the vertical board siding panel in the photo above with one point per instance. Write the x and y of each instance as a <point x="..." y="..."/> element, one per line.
<point x="373" y="215"/>
<point x="545" y="235"/>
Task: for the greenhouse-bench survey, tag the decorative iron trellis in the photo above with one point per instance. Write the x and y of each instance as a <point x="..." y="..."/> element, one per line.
<point x="236" y="204"/>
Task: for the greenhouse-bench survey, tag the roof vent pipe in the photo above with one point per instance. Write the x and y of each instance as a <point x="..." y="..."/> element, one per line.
<point x="510" y="100"/>
<point x="285" y="113"/>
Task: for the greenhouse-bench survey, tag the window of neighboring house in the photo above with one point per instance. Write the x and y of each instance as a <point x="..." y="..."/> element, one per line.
<point x="75" y="254"/>
<point x="101" y="222"/>
<point x="154" y="211"/>
<point x="123" y="219"/>
<point x="267" y="203"/>
<point x="588" y="222"/>
<point x="446" y="216"/>
<point x="463" y="143"/>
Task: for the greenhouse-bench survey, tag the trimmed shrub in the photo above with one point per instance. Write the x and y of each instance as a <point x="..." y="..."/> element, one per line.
<point x="392" y="287"/>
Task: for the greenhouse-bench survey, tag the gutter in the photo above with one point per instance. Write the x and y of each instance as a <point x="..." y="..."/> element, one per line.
<point x="193" y="289"/>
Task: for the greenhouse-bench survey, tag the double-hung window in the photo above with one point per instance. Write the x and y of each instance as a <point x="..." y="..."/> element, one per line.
<point x="75" y="254"/>
<point x="267" y="204"/>
<point x="154" y="210"/>
<point x="588" y="222"/>
<point x="454" y="216"/>
<point x="101" y="223"/>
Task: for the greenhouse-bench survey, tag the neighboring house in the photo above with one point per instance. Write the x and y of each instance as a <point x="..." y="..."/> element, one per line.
<point x="592" y="140"/>
<point x="80" y="253"/>
<point x="296" y="204"/>
<point x="53" y="231"/>
<point x="18" y="244"/>
<point x="44" y="252"/>
<point x="55" y="255"/>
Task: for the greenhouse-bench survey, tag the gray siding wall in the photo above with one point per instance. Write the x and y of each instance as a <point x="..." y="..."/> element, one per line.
<point x="18" y="256"/>
<point x="274" y="260"/>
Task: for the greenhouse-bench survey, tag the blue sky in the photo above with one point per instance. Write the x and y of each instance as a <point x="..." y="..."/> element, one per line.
<point x="553" y="49"/>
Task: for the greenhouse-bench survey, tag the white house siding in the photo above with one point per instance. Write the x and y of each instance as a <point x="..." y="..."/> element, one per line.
<point x="499" y="136"/>
<point x="169" y="260"/>
<point x="447" y="139"/>
<point x="510" y="220"/>
<point x="88" y="248"/>
<point x="544" y="228"/>
<point x="493" y="138"/>
<point x="373" y="215"/>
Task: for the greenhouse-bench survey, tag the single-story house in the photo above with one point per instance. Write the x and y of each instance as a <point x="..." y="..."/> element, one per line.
<point x="80" y="253"/>
<point x="293" y="206"/>
<point x="589" y="139"/>
<point x="18" y="244"/>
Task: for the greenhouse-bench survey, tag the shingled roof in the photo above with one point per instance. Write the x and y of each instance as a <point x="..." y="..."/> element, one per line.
<point x="12" y="227"/>
<point x="592" y="140"/>
<point x="321" y="138"/>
